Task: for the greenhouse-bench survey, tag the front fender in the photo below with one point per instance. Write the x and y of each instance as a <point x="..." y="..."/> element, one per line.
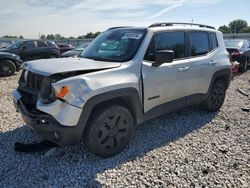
<point x="84" y="87"/>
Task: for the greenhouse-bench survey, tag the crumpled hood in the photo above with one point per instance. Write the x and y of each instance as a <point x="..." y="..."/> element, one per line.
<point x="48" y="67"/>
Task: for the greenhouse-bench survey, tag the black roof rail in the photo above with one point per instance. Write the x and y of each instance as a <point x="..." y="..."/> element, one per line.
<point x="164" y="24"/>
<point x="119" y="27"/>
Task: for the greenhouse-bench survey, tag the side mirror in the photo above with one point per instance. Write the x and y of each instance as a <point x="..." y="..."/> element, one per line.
<point x="163" y="56"/>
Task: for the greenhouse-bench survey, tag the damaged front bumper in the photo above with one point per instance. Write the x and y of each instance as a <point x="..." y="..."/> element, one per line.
<point x="46" y="125"/>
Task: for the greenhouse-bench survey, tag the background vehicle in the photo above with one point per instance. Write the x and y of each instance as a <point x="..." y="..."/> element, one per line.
<point x="9" y="64"/>
<point x="4" y="44"/>
<point x="239" y="51"/>
<point x="65" y="47"/>
<point x="126" y="76"/>
<point x="32" y="49"/>
<point x="75" y="52"/>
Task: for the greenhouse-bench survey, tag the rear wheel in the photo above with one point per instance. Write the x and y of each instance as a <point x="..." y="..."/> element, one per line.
<point x="109" y="130"/>
<point x="7" y="68"/>
<point x="216" y="97"/>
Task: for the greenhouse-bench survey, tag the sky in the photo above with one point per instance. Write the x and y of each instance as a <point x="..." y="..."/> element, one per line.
<point x="32" y="18"/>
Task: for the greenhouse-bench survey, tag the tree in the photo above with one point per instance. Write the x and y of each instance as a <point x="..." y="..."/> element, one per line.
<point x="81" y="37"/>
<point x="59" y="37"/>
<point x="224" y="29"/>
<point x="50" y="37"/>
<point x="92" y="35"/>
<point x="245" y="30"/>
<point x="10" y="36"/>
<point x="21" y="37"/>
<point x="96" y="34"/>
<point x="237" y="25"/>
<point x="89" y="35"/>
<point x="43" y="37"/>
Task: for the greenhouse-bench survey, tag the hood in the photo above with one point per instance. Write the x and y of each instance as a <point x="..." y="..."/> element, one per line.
<point x="4" y="50"/>
<point x="6" y="53"/>
<point x="12" y="51"/>
<point x="9" y="55"/>
<point x="48" y="67"/>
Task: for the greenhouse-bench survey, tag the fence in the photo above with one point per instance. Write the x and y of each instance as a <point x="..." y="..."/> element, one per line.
<point x="237" y="36"/>
<point x="77" y="42"/>
<point x="74" y="42"/>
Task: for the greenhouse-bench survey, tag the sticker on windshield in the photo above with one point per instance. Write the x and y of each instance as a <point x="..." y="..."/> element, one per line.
<point x="132" y="36"/>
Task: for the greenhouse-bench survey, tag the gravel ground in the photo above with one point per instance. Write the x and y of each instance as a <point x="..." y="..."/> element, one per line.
<point x="188" y="148"/>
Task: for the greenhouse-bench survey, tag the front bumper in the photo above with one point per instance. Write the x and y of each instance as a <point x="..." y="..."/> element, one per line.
<point x="47" y="126"/>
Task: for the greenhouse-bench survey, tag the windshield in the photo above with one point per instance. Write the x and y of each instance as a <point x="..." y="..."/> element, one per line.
<point x="16" y="45"/>
<point x="118" y="45"/>
<point x="233" y="43"/>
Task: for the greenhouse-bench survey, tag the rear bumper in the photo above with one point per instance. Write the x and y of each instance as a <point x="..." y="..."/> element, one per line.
<point x="47" y="126"/>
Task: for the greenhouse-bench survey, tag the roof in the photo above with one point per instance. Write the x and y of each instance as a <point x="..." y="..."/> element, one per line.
<point x="171" y="26"/>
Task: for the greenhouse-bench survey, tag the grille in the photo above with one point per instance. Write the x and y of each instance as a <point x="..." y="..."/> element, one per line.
<point x="30" y="82"/>
<point x="34" y="81"/>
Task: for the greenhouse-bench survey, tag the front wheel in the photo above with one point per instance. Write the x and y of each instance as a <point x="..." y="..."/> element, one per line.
<point x="109" y="130"/>
<point x="7" y="68"/>
<point x="216" y="97"/>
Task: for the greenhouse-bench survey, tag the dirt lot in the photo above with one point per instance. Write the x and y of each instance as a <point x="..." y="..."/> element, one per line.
<point x="188" y="148"/>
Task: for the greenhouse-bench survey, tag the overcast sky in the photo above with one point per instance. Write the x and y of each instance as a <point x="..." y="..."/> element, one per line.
<point x="77" y="17"/>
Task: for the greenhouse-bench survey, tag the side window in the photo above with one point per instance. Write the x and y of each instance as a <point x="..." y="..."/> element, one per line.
<point x="199" y="44"/>
<point x="213" y="41"/>
<point x="29" y="44"/>
<point x="167" y="41"/>
<point x="41" y="44"/>
<point x="171" y="41"/>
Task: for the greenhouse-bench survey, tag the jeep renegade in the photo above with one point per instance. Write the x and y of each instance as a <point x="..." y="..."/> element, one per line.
<point x="126" y="76"/>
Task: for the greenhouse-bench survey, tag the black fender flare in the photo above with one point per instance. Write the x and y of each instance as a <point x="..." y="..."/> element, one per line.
<point x="130" y="94"/>
<point x="223" y="74"/>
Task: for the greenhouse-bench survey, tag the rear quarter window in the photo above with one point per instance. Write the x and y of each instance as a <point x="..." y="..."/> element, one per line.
<point x="213" y="41"/>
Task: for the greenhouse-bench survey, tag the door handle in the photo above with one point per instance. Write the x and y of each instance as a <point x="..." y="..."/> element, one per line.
<point x="183" y="69"/>
<point x="212" y="62"/>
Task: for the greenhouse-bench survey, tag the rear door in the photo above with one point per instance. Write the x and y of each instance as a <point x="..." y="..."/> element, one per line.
<point x="168" y="82"/>
<point x="203" y="59"/>
<point x="42" y="50"/>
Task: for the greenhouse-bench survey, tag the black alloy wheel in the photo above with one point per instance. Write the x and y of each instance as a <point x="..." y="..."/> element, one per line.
<point x="7" y="68"/>
<point x="110" y="131"/>
<point x="216" y="97"/>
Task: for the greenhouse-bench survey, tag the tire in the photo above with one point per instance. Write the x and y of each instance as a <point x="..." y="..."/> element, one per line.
<point x="7" y="68"/>
<point x="109" y="131"/>
<point x="216" y="97"/>
<point x="244" y="66"/>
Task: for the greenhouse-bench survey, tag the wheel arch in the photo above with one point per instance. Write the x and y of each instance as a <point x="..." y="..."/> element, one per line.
<point x="127" y="97"/>
<point x="224" y="74"/>
<point x="9" y="59"/>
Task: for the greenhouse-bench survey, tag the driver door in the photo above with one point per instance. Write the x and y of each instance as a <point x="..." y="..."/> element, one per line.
<point x="169" y="81"/>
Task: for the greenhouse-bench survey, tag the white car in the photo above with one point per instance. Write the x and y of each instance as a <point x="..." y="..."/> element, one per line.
<point x="126" y="76"/>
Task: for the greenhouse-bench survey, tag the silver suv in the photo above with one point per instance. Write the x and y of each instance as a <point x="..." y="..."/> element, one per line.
<point x="126" y="76"/>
